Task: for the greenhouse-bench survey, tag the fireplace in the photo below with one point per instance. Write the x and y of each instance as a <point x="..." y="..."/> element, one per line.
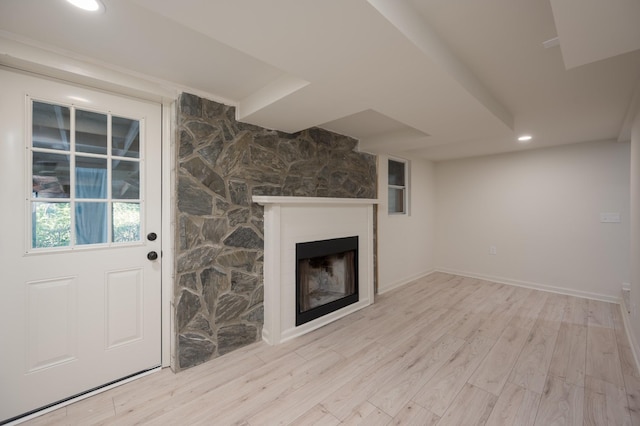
<point x="292" y="222"/>
<point x="326" y="277"/>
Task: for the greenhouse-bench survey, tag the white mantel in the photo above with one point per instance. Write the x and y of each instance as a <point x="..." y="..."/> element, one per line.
<point x="292" y="220"/>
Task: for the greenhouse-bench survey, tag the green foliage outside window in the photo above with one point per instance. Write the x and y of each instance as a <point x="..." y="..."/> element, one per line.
<point x="52" y="225"/>
<point x="126" y="222"/>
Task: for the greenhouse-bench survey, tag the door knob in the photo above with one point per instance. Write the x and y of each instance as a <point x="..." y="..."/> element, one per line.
<point x="151" y="236"/>
<point x="152" y="255"/>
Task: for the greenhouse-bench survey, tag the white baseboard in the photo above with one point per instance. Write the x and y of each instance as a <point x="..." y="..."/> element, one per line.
<point x="535" y="286"/>
<point x="635" y="349"/>
<point x="400" y="283"/>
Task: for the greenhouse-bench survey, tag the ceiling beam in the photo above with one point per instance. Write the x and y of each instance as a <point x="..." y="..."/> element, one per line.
<point x="409" y="22"/>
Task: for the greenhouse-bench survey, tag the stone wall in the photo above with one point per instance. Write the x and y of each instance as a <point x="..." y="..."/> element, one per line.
<point x="219" y="251"/>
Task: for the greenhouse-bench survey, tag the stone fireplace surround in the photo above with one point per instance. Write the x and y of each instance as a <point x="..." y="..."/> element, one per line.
<point x="292" y="220"/>
<point x="218" y="295"/>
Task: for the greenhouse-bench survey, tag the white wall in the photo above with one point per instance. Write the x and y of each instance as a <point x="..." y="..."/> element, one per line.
<point x="541" y="209"/>
<point x="405" y="242"/>
<point x="635" y="230"/>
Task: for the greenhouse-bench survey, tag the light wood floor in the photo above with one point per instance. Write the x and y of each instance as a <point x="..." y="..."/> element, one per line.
<point x="443" y="350"/>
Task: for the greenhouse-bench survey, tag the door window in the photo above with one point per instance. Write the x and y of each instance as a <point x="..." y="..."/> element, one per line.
<point x="86" y="181"/>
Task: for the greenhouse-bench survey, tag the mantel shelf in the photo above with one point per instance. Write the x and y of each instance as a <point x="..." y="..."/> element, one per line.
<point x="266" y="199"/>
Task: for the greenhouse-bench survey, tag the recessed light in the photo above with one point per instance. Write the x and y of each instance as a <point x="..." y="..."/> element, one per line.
<point x="525" y="138"/>
<point x="89" y="5"/>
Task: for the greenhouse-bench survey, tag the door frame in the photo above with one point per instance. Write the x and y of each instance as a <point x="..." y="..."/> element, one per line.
<point x="21" y="56"/>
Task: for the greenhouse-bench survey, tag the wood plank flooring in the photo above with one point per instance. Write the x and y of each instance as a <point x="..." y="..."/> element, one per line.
<point x="443" y="350"/>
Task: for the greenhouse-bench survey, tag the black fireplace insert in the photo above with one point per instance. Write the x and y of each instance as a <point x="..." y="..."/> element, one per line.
<point x="326" y="277"/>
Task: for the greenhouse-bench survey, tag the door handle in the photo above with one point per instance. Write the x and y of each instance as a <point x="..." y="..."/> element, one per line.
<point x="152" y="255"/>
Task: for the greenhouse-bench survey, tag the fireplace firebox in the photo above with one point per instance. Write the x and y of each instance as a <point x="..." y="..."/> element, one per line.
<point x="326" y="277"/>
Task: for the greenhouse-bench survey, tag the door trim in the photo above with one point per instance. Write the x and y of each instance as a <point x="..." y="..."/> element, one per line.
<point x="167" y="229"/>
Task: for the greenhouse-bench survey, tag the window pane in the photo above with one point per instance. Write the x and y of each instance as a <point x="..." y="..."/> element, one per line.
<point x="50" y="126"/>
<point x="91" y="223"/>
<point x="396" y="200"/>
<point x="51" y="225"/>
<point x="50" y="175"/>
<point x="396" y="173"/>
<point x="126" y="137"/>
<point x="126" y="222"/>
<point x="91" y="177"/>
<point x="91" y="132"/>
<point x="126" y="180"/>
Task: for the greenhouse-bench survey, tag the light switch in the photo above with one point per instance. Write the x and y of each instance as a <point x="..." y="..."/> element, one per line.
<point x="609" y="217"/>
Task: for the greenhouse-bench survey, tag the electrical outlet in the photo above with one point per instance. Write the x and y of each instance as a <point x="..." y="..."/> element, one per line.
<point x="493" y="250"/>
<point x="609" y="217"/>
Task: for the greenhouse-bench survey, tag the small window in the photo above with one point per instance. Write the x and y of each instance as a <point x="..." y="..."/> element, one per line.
<point x="398" y="188"/>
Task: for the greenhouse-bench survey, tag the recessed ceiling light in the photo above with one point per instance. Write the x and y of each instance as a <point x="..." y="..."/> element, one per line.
<point x="525" y="138"/>
<point x="89" y="5"/>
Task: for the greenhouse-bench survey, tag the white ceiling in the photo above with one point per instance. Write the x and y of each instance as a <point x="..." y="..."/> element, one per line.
<point x="439" y="79"/>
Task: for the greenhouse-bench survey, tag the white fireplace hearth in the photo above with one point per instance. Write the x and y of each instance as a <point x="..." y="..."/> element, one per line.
<point x="292" y="220"/>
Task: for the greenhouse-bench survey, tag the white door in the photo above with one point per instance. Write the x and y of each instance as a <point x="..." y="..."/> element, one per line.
<point x="79" y="204"/>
